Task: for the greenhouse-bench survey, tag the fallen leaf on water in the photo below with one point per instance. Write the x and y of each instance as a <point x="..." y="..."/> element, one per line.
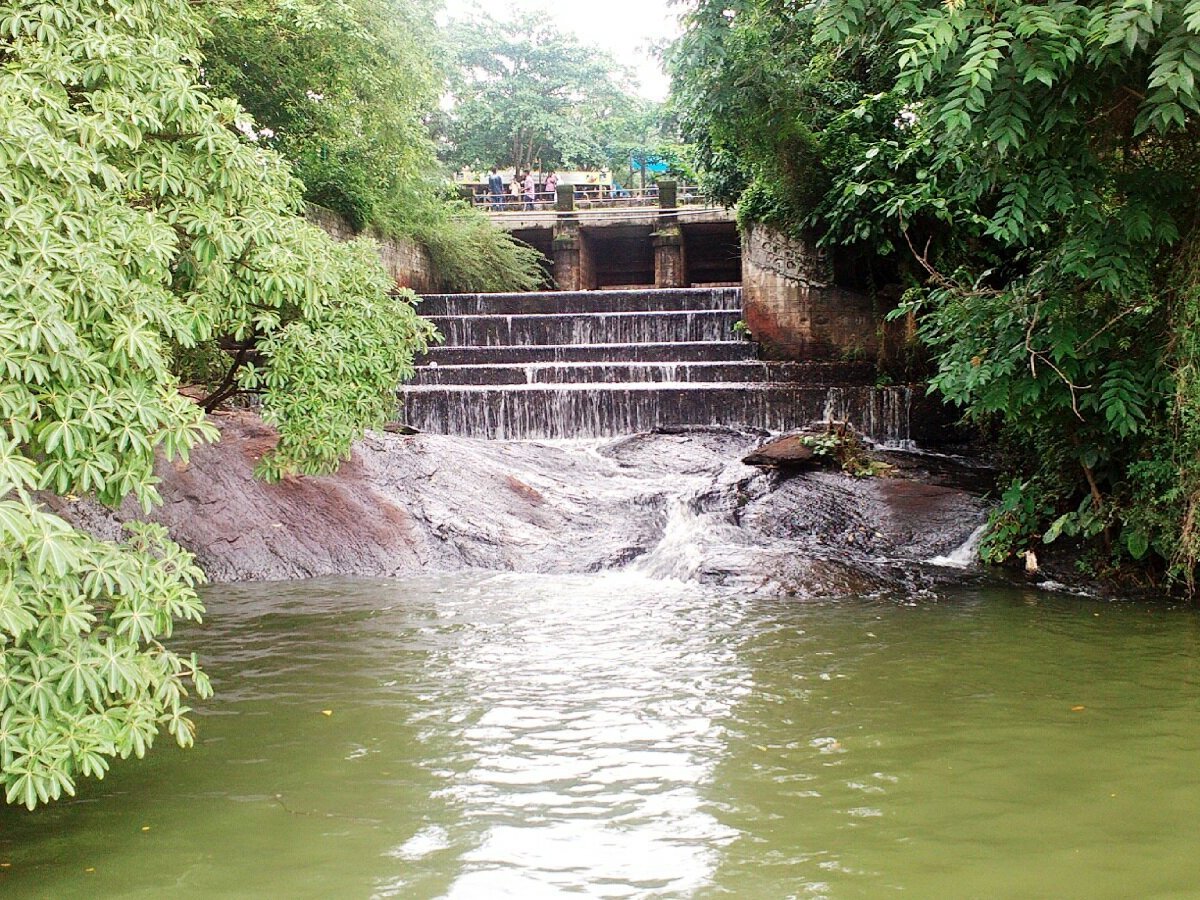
<point x="1078" y="708"/>
<point x="145" y="828"/>
<point x="90" y="869"/>
<point x="327" y="712"/>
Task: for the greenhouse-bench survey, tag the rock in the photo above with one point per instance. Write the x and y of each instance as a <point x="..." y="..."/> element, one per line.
<point x="680" y="505"/>
<point x="790" y="450"/>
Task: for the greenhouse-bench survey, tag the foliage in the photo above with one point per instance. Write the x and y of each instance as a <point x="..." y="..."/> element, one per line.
<point x="1030" y="173"/>
<point x="470" y="255"/>
<point x="636" y="134"/>
<point x="340" y="88"/>
<point x="539" y="99"/>
<point x="141" y="229"/>
<point x="840" y="446"/>
<point x="757" y="104"/>
<point x="344" y="90"/>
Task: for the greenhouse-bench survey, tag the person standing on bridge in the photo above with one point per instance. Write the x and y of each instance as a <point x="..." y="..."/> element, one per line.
<point x="530" y="190"/>
<point x="496" y="188"/>
<point x="552" y="186"/>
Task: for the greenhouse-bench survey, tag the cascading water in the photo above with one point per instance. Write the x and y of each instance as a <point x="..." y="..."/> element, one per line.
<point x="882" y="413"/>
<point x="966" y="555"/>
<point x="607" y="363"/>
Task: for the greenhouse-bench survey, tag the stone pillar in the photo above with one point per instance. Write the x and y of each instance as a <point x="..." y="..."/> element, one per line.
<point x="668" y="195"/>
<point x="568" y="262"/>
<point x="793" y="309"/>
<point x="670" y="266"/>
<point x="564" y="200"/>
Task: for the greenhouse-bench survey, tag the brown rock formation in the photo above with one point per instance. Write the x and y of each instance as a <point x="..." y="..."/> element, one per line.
<point x="406" y="504"/>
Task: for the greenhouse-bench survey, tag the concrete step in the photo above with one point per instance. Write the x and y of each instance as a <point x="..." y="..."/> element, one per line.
<point x="581" y="302"/>
<point x="540" y="412"/>
<point x="743" y="371"/>
<point x="594" y="328"/>
<point x="672" y="352"/>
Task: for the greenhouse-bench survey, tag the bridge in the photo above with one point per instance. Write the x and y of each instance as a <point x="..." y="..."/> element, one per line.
<point x="669" y="236"/>
<point x="674" y="237"/>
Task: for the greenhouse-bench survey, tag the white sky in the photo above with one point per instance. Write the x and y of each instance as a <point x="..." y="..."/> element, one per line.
<point x="625" y="28"/>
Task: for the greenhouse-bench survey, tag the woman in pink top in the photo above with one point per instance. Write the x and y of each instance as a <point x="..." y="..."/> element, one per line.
<point x="530" y="187"/>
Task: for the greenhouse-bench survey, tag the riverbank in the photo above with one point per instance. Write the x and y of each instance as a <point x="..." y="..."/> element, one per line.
<point x="682" y="504"/>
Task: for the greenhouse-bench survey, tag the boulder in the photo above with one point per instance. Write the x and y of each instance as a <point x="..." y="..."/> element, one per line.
<point x="787" y="451"/>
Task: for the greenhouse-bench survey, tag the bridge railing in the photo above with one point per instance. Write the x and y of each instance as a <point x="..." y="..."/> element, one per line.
<point x="543" y="200"/>
<point x="590" y="197"/>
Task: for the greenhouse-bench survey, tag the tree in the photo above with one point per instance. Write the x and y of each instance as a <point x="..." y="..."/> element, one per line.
<point x="1032" y="172"/>
<point x="537" y="97"/>
<point x="340" y="88"/>
<point x="636" y="136"/>
<point x="143" y="231"/>
<point x="344" y="90"/>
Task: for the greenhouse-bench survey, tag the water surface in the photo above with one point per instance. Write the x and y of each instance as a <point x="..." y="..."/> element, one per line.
<point x="616" y="736"/>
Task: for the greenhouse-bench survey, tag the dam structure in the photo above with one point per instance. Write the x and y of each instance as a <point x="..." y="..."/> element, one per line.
<point x="592" y="364"/>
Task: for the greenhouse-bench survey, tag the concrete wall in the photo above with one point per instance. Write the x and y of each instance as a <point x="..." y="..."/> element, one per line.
<point x="793" y="309"/>
<point x="407" y="262"/>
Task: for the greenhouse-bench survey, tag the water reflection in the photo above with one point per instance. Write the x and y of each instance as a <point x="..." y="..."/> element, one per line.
<point x="588" y="718"/>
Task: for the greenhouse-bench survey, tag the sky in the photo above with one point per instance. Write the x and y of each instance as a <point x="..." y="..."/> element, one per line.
<point x="625" y="28"/>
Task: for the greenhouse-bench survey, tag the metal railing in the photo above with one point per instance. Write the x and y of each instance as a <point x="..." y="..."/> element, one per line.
<point x="589" y="197"/>
<point x="512" y="203"/>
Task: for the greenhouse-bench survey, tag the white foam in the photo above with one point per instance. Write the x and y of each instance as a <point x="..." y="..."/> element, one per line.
<point x="965" y="556"/>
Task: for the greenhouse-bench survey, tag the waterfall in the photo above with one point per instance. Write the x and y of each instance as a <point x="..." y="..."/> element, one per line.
<point x="606" y="363"/>
<point x="882" y="413"/>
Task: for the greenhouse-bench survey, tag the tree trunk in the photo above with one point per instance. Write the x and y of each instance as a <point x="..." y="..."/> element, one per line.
<point x="228" y="386"/>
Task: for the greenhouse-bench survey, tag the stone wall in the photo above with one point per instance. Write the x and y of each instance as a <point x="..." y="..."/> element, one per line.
<point x="793" y="309"/>
<point x="407" y="262"/>
<point x="670" y="259"/>
<point x="571" y="260"/>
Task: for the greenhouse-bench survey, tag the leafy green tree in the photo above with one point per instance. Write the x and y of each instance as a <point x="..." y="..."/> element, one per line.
<point x="142" y="231"/>
<point x="1032" y="171"/>
<point x="344" y="90"/>
<point x="341" y="89"/>
<point x="636" y="135"/>
<point x="530" y="96"/>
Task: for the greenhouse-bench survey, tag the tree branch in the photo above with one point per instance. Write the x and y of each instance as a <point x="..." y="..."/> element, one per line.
<point x="228" y="387"/>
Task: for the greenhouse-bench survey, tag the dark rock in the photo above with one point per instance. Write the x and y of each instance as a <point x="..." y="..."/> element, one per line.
<point x="399" y="428"/>
<point x="790" y="450"/>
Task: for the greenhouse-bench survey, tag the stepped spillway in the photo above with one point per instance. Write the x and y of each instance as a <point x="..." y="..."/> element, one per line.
<point x="606" y="363"/>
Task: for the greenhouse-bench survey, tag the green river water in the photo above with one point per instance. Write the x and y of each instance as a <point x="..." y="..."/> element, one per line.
<point x="616" y="736"/>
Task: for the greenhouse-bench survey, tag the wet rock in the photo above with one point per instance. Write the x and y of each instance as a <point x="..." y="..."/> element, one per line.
<point x="973" y="475"/>
<point x="788" y="451"/>
<point x="890" y="517"/>
<point x="680" y="505"/>
<point x="399" y="428"/>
